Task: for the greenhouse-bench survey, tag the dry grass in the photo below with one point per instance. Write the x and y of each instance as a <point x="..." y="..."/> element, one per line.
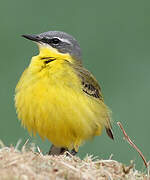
<point x="30" y="165"/>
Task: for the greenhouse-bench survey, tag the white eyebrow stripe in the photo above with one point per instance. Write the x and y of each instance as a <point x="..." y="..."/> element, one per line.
<point x="63" y="40"/>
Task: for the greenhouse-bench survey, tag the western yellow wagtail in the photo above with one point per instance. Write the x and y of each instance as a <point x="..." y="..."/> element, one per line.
<point x="58" y="98"/>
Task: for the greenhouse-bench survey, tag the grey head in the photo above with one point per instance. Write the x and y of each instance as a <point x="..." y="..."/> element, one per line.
<point x="61" y="41"/>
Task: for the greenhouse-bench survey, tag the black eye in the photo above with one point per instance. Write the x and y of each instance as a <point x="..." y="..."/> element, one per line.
<point x="55" y="41"/>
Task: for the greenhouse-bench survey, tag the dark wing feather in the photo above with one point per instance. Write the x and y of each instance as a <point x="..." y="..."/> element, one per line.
<point x="92" y="88"/>
<point x="90" y="85"/>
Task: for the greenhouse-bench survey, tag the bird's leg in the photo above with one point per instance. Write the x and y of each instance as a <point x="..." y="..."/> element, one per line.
<point x="57" y="150"/>
<point x="73" y="152"/>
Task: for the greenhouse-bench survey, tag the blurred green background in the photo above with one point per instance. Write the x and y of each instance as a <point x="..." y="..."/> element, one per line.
<point x="115" y="41"/>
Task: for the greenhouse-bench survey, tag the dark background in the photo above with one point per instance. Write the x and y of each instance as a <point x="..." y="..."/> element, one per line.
<point x="115" y="39"/>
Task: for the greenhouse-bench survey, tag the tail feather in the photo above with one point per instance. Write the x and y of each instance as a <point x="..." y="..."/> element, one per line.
<point x="110" y="133"/>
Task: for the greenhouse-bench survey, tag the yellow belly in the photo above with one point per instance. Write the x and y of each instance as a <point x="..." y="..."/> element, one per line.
<point x="54" y="105"/>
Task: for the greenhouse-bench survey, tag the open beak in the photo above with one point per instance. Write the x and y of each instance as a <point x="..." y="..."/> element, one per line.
<point x="33" y="37"/>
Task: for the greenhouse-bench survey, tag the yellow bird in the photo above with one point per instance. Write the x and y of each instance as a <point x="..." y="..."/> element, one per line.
<point x="58" y="98"/>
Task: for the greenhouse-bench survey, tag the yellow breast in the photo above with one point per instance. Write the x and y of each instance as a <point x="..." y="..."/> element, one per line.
<point x="50" y="101"/>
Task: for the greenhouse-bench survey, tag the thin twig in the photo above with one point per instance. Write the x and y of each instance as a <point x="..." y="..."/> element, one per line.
<point x="18" y="143"/>
<point x="39" y="150"/>
<point x="132" y="144"/>
<point x="148" y="170"/>
<point x="2" y="144"/>
<point x="24" y="146"/>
